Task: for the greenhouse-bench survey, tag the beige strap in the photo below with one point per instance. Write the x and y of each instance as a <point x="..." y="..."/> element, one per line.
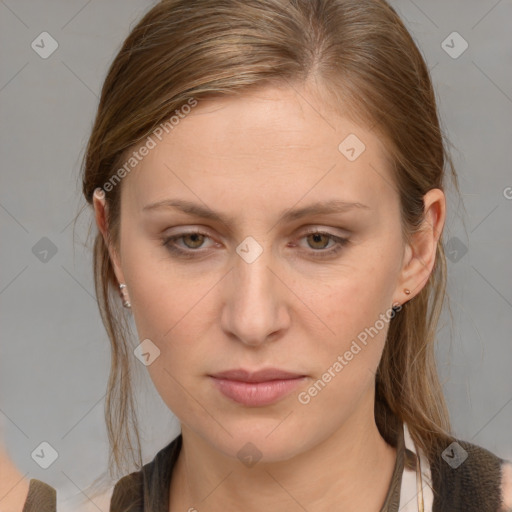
<point x="419" y="483"/>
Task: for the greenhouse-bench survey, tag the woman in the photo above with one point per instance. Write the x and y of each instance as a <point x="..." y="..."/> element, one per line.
<point x="267" y="178"/>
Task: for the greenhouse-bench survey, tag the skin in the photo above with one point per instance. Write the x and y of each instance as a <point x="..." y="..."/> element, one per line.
<point x="506" y="486"/>
<point x="251" y="158"/>
<point x="13" y="484"/>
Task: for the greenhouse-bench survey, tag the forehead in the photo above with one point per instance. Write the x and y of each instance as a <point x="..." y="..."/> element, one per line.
<point x="273" y="144"/>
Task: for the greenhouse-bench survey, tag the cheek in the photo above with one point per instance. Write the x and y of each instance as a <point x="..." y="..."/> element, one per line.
<point x="163" y="311"/>
<point x="169" y="320"/>
<point x="347" y="357"/>
<point x="354" y="308"/>
<point x="350" y="301"/>
<point x="160" y="297"/>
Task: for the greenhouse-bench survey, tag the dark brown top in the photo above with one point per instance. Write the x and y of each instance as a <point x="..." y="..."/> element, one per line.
<point x="41" y="497"/>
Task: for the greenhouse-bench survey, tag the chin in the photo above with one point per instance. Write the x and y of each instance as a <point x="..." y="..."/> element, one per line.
<point x="258" y="443"/>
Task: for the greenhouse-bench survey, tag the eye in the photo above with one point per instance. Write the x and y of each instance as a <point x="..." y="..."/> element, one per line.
<point x="315" y="237"/>
<point x="194" y="240"/>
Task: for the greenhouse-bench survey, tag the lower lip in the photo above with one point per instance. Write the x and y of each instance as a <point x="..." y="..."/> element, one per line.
<point x="256" y="394"/>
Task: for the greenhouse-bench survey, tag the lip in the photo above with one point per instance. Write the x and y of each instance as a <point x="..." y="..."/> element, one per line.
<point x="264" y="375"/>
<point x="256" y="389"/>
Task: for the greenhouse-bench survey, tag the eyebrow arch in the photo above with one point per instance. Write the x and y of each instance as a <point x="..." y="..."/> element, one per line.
<point x="330" y="207"/>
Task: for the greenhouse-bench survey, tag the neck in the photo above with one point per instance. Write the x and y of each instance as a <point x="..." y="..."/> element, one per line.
<point x="350" y="471"/>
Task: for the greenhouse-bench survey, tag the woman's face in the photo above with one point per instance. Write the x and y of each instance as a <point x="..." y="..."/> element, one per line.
<point x="259" y="290"/>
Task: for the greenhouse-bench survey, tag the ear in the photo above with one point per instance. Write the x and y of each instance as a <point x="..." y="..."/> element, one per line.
<point x="101" y="214"/>
<point x="420" y="251"/>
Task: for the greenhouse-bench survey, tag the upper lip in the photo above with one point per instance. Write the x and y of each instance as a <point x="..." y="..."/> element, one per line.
<point x="263" y="375"/>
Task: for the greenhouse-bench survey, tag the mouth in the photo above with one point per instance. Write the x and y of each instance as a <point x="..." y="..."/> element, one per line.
<point x="258" y="388"/>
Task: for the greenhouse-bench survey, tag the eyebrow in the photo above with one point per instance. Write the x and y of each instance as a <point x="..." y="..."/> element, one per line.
<point x="330" y="207"/>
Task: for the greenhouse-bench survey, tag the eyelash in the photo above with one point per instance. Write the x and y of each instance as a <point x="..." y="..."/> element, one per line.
<point x="340" y="244"/>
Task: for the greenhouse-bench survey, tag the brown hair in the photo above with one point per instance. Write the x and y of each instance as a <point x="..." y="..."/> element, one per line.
<point x="366" y="60"/>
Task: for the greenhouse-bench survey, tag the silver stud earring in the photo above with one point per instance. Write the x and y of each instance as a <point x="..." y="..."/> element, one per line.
<point x="126" y="303"/>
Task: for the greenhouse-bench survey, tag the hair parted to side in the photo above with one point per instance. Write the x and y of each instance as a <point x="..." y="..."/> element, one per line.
<point x="364" y="62"/>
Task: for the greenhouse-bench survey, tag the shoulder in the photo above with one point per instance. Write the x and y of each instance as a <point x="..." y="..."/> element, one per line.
<point x="41" y="497"/>
<point x="468" y="477"/>
<point x="138" y="491"/>
<point x="506" y="486"/>
<point x="127" y="494"/>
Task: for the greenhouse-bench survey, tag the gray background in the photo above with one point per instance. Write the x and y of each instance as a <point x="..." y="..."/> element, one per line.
<point x="54" y="354"/>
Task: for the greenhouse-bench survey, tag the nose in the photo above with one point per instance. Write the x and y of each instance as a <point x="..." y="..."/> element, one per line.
<point x="255" y="308"/>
